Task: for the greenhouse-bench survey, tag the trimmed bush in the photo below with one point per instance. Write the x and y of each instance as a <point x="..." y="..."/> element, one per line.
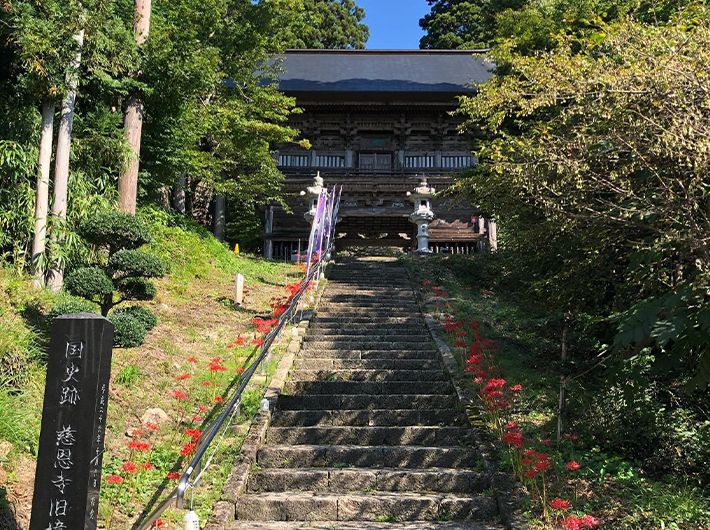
<point x="141" y="314"/>
<point x="136" y="289"/>
<point x="74" y="305"/>
<point x="129" y="331"/>
<point x="89" y="283"/>
<point x="116" y="230"/>
<point x="137" y="263"/>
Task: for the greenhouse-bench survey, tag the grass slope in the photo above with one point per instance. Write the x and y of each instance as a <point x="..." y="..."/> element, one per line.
<point x="195" y="349"/>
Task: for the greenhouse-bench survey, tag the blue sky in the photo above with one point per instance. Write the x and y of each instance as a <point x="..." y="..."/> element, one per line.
<point x="394" y="24"/>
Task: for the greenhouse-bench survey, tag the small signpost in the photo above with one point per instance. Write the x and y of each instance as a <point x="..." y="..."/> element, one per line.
<point x="71" y="444"/>
<point x="239" y="290"/>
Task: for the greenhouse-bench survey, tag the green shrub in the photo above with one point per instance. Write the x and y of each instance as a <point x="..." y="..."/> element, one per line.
<point x="116" y="230"/>
<point x="136" y="289"/>
<point x="89" y="282"/>
<point x="141" y="314"/>
<point x="73" y="305"/>
<point x="128" y="376"/>
<point x="129" y="331"/>
<point x="137" y="263"/>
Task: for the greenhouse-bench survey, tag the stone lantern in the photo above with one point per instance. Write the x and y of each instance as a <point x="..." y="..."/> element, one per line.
<point x="311" y="194"/>
<point x="422" y="215"/>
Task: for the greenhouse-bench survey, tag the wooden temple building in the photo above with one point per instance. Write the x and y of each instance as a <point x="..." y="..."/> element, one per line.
<point x="379" y="123"/>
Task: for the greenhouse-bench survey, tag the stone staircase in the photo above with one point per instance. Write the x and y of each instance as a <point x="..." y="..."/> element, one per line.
<point x="368" y="433"/>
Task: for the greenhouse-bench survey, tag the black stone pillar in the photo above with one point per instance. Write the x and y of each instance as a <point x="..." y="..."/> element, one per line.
<point x="71" y="444"/>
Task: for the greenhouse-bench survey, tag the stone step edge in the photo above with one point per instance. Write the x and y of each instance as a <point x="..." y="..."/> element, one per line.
<point x="353" y="525"/>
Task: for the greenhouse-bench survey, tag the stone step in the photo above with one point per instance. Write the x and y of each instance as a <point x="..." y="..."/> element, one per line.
<point x="443" y="480"/>
<point x="296" y="456"/>
<point x="367" y="387"/>
<point x="367" y="402"/>
<point x="414" y="318"/>
<point x="363" y="507"/>
<point x="368" y="418"/>
<point x="359" y="525"/>
<point x="360" y="336"/>
<point x="393" y="330"/>
<point x="347" y="353"/>
<point x="367" y="345"/>
<point x="329" y="303"/>
<point x="368" y="375"/>
<point x="413" y="435"/>
<point x="366" y="364"/>
<point x="402" y="327"/>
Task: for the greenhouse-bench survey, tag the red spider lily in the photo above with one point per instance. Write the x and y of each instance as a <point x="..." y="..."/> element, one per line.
<point x="514" y="438"/>
<point x="571" y="437"/>
<point x="461" y="333"/>
<point x="240" y="370"/>
<point x="216" y="367"/>
<point x="559" y="504"/>
<point x="460" y="343"/>
<point x="494" y="384"/>
<point x="573" y="466"/>
<point x="264" y="326"/>
<point x="173" y="475"/>
<point x="526" y="461"/>
<point x="194" y="434"/>
<point x="542" y="466"/>
<point x="187" y="449"/>
<point x="545" y="441"/>
<point x="511" y="425"/>
<point x="196" y="418"/>
<point x="114" y="479"/>
<point x="147" y="466"/>
<point x="230" y="345"/>
<point x="257" y="342"/>
<point x="192" y="359"/>
<point x="576" y="523"/>
<point x="138" y="446"/>
<point x="179" y="395"/>
<point x="206" y="383"/>
<point x="203" y="408"/>
<point x="516" y="388"/>
<point x="530" y="473"/>
<point x="152" y="426"/>
<point x="240" y="341"/>
<point x="219" y="399"/>
<point x="426" y="283"/>
<point x="129" y="467"/>
<point x="158" y="524"/>
<point x="183" y="377"/>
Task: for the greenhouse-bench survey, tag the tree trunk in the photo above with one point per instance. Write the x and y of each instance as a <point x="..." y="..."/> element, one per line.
<point x="42" y="193"/>
<point x="179" y="194"/>
<point x="61" y="162"/>
<point x="219" y="206"/>
<point x="563" y="381"/>
<point x="133" y="119"/>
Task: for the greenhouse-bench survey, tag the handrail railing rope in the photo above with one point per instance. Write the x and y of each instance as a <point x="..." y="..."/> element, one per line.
<point x="223" y="422"/>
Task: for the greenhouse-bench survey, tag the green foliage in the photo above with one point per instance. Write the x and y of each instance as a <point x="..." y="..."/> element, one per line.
<point x="141" y="314"/>
<point x="128" y="376"/>
<point x="330" y="24"/>
<point x="91" y="283"/>
<point x="72" y="305"/>
<point x="607" y="174"/>
<point x="136" y="289"/>
<point x="128" y="332"/>
<point x="137" y="263"/>
<point x="16" y="425"/>
<point x="116" y="230"/>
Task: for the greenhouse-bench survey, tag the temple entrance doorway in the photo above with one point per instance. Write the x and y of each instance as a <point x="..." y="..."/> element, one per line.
<point x="376" y="231"/>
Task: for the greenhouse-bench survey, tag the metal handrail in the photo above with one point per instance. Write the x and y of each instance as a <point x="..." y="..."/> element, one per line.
<point x="210" y="433"/>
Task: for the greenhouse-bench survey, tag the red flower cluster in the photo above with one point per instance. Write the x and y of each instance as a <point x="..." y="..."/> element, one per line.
<point x="579" y="523"/>
<point x="114" y="479"/>
<point x="138" y="446"/>
<point x="264" y="326"/>
<point x="573" y="466"/>
<point x="179" y="395"/>
<point x="187" y="449"/>
<point x="559" y="504"/>
<point x="194" y="434"/>
<point x="129" y="467"/>
<point x="173" y="475"/>
<point x="183" y="377"/>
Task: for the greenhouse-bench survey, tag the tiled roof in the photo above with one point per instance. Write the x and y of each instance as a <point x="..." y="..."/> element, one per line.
<point x="443" y="71"/>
